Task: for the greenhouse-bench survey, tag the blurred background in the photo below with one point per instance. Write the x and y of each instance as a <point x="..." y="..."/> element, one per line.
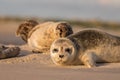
<point x="108" y="10"/>
<point x="103" y="14"/>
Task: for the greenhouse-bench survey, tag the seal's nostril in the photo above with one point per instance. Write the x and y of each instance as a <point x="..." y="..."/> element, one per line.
<point x="61" y="56"/>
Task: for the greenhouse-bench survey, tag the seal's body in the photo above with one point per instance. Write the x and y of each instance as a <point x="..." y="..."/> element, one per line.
<point x="86" y="47"/>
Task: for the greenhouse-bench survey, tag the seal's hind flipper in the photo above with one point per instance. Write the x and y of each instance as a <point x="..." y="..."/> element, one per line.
<point x="8" y="52"/>
<point x="25" y="28"/>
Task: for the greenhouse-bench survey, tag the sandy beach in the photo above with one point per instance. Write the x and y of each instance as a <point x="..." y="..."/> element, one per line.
<point x="31" y="66"/>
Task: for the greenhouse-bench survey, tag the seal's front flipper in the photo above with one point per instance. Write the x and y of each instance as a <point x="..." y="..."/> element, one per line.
<point x="89" y="60"/>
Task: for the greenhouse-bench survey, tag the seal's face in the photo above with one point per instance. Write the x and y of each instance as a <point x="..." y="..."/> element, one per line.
<point x="63" y="51"/>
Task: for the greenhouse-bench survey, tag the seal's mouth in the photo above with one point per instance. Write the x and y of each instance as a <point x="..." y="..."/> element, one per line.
<point x="61" y="61"/>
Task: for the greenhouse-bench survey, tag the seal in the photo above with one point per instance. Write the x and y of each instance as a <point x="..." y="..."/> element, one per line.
<point x="41" y="36"/>
<point x="86" y="47"/>
<point x="8" y="52"/>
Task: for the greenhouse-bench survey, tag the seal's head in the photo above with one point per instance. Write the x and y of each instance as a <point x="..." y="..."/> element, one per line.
<point x="63" y="51"/>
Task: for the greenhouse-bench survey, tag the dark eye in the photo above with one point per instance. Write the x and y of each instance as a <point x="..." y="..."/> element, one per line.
<point x="55" y="50"/>
<point x="68" y="50"/>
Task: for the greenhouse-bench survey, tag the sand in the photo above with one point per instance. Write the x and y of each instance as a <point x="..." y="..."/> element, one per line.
<point x="30" y="66"/>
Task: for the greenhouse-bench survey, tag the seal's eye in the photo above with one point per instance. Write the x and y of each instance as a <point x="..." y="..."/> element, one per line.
<point x="68" y="50"/>
<point x="55" y="50"/>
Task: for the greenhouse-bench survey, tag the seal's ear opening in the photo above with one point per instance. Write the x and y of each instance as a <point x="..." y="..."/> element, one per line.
<point x="64" y="29"/>
<point x="25" y="28"/>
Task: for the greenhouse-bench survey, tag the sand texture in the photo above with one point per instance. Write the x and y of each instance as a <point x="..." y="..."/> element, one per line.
<point x="31" y="66"/>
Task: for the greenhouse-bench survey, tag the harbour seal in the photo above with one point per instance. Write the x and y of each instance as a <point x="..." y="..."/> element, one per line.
<point x="41" y="36"/>
<point x="8" y="52"/>
<point x="86" y="47"/>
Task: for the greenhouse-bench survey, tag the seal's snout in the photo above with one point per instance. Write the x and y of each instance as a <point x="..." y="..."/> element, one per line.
<point x="61" y="56"/>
